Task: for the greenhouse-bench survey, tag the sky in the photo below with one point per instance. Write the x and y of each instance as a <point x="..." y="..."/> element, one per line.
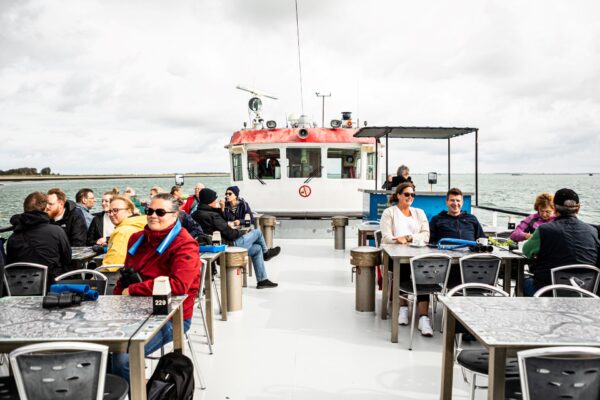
<point x="148" y="86"/>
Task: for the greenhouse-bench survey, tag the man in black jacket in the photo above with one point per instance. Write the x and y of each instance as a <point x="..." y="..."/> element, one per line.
<point x="38" y="241"/>
<point x="454" y="223"/>
<point x="210" y="217"/>
<point x="66" y="215"/>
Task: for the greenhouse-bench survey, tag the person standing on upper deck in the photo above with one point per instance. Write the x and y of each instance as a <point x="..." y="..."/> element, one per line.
<point x="403" y="224"/>
<point x="65" y="214"/>
<point x="455" y="223"/>
<point x="403" y="175"/>
<point x="544" y="208"/>
<point x="564" y="241"/>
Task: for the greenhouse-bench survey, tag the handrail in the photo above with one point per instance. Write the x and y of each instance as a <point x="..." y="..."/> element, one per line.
<point x="501" y="210"/>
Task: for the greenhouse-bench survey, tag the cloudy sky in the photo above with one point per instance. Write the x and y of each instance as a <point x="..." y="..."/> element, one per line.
<point x="114" y="86"/>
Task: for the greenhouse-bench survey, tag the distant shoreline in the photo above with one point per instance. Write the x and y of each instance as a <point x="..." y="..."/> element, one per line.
<point x="23" y="178"/>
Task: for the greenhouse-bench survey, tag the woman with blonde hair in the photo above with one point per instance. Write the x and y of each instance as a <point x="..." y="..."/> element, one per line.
<point x="544" y="207"/>
<point x="127" y="221"/>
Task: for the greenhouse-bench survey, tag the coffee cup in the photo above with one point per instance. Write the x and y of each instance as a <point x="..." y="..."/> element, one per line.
<point x="482" y="241"/>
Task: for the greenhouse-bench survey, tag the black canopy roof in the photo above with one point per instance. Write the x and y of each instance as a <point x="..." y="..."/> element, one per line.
<point x="412" y="132"/>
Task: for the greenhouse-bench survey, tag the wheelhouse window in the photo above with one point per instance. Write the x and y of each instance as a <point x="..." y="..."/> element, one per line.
<point x="304" y="162"/>
<point x="264" y="164"/>
<point x="236" y="167"/>
<point x="343" y="163"/>
<point x="371" y="159"/>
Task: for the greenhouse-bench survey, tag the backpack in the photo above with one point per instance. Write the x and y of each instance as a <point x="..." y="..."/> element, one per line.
<point x="173" y="379"/>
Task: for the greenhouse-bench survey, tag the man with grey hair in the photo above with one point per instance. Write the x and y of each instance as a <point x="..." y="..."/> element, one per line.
<point x="564" y="241"/>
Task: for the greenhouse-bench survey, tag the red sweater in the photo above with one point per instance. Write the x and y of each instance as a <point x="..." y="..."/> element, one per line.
<point x="180" y="262"/>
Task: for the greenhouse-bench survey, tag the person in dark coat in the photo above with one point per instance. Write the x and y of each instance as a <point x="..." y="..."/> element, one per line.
<point x="236" y="208"/>
<point x="65" y="214"/>
<point x="403" y="175"/>
<point x="210" y="217"/>
<point x="564" y="241"/>
<point x="454" y="223"/>
<point x="36" y="240"/>
<point x="101" y="226"/>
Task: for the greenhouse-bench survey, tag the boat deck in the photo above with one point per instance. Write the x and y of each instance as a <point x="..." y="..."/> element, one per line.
<point x="304" y="339"/>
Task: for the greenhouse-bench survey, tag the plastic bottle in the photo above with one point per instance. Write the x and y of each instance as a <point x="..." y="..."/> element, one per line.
<point x="247" y="220"/>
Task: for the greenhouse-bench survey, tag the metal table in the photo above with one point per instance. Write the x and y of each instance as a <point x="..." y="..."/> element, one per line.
<point x="401" y="255"/>
<point x="82" y="255"/>
<point x="123" y="323"/>
<point x="507" y="324"/>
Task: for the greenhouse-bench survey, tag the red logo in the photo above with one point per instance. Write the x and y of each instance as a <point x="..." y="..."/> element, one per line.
<point x="304" y="190"/>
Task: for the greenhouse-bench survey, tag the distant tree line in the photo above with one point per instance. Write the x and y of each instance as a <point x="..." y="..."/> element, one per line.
<point x="27" y="171"/>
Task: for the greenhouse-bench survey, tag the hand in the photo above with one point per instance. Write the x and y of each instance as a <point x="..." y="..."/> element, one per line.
<point x="125" y="292"/>
<point x="528" y="235"/>
<point x="236" y="222"/>
<point x="401" y="239"/>
<point x="101" y="241"/>
<point x="222" y="203"/>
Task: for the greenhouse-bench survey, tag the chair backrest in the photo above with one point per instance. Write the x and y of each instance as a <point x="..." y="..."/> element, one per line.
<point x="585" y="276"/>
<point x="97" y="281"/>
<point x="113" y="274"/>
<point x="25" y="279"/>
<point x="558" y="290"/>
<point x="480" y="268"/>
<point x="477" y="289"/>
<point x="560" y="373"/>
<point x="378" y="237"/>
<point x="60" y="370"/>
<point x="430" y="269"/>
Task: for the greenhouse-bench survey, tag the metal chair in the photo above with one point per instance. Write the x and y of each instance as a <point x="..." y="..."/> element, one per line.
<point x="66" y="371"/>
<point x="480" y="268"/>
<point x="25" y="279"/>
<point x="98" y="281"/>
<point x="556" y="289"/>
<point x="584" y="276"/>
<point x="476" y="361"/>
<point x="202" y="301"/>
<point x="112" y="273"/>
<point x="429" y="276"/>
<point x="560" y="373"/>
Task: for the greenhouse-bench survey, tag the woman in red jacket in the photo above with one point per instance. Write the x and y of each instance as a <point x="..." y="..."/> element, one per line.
<point x="163" y="248"/>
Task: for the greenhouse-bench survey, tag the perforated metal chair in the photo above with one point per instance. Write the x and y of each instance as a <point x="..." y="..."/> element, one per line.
<point x="66" y="371"/>
<point x="584" y="276"/>
<point x="560" y="373"/>
<point x="480" y="268"/>
<point x="429" y="276"/>
<point x="558" y="290"/>
<point x="475" y="362"/>
<point x="112" y="273"/>
<point x="25" y="279"/>
<point x="97" y="282"/>
<point x="202" y="306"/>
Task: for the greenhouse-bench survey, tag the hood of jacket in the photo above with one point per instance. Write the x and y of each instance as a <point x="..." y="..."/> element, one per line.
<point x="28" y="219"/>
<point x="136" y="221"/>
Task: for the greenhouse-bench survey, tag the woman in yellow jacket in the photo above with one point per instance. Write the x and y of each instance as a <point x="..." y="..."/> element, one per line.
<point x="123" y="214"/>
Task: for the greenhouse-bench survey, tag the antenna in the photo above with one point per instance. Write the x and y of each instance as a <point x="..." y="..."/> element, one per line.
<point x="256" y="92"/>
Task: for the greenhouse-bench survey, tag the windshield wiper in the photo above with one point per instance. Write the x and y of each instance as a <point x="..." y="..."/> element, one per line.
<point x="313" y="174"/>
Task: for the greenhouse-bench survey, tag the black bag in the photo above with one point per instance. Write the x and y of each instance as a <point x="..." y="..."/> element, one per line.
<point x="173" y="379"/>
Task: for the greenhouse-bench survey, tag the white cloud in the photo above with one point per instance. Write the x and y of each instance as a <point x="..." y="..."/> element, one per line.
<point x="148" y="86"/>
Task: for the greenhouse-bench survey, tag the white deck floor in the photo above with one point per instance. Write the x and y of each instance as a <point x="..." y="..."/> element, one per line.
<point x="304" y="340"/>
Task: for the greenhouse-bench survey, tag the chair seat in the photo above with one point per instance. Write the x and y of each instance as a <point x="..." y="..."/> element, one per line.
<point x="478" y="360"/>
<point x="115" y="387"/>
<point x="8" y="389"/>
<point x="406" y="287"/>
<point x="512" y="389"/>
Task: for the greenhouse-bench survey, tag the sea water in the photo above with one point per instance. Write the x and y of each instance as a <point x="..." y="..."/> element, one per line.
<point x="505" y="191"/>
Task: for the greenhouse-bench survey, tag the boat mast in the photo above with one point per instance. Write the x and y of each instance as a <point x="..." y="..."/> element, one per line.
<point x="299" y="59"/>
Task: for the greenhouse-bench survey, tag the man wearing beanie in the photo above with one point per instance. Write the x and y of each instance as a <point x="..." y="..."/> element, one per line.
<point x="564" y="241"/>
<point x="210" y="216"/>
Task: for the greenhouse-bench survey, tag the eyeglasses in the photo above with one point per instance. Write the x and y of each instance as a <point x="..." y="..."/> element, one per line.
<point x="160" y="212"/>
<point x="407" y="194"/>
<point x="228" y="194"/>
<point x="115" y="210"/>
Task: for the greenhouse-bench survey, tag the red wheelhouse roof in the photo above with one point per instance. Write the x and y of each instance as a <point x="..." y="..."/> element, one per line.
<point x="290" y="135"/>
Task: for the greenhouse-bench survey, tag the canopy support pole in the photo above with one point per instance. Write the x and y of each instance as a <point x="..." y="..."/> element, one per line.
<point x="476" y="167"/>
<point x="448" y="163"/>
<point x="376" y="160"/>
<point x="386" y="155"/>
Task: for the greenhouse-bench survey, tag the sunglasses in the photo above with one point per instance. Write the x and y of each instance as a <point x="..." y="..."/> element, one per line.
<point x="228" y="194"/>
<point x="160" y="212"/>
<point x="407" y="194"/>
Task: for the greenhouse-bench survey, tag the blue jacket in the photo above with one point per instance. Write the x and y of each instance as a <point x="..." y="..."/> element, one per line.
<point x="463" y="226"/>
